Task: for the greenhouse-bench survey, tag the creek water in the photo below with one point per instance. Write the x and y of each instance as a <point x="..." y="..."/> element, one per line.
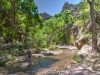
<point x="41" y="66"/>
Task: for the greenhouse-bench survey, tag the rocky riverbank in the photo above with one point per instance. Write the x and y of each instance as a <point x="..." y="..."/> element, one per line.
<point x="78" y="69"/>
<point x="89" y="63"/>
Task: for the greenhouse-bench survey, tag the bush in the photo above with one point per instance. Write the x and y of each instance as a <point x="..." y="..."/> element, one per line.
<point x="77" y="58"/>
<point x="71" y="40"/>
<point x="38" y="50"/>
<point x="53" y="47"/>
<point x="2" y="63"/>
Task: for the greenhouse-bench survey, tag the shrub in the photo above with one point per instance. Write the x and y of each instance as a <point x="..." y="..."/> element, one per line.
<point x="71" y="40"/>
<point x="53" y="47"/>
<point x="77" y="58"/>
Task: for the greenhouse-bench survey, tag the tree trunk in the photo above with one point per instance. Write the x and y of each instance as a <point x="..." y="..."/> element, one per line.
<point x="94" y="34"/>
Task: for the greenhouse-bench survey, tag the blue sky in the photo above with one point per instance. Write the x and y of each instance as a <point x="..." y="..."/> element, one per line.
<point x="52" y="6"/>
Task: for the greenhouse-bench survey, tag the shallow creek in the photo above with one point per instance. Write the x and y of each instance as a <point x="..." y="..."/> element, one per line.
<point x="41" y="66"/>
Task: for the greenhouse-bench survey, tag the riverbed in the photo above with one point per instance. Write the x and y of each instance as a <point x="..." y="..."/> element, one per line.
<point x="42" y="66"/>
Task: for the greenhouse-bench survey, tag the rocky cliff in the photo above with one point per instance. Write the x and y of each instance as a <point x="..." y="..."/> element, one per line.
<point x="45" y="16"/>
<point x="68" y="6"/>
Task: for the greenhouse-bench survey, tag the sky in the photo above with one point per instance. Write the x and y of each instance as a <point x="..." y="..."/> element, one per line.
<point x="52" y="6"/>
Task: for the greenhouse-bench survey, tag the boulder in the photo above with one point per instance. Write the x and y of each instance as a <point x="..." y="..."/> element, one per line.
<point x="79" y="44"/>
<point x="85" y="50"/>
<point x="80" y="41"/>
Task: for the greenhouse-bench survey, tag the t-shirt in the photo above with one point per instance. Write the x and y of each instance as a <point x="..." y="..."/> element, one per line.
<point x="29" y="54"/>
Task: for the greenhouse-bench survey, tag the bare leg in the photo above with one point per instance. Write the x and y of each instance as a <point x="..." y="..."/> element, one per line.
<point x="30" y="61"/>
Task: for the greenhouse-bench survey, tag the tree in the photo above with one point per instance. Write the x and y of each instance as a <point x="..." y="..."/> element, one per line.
<point x="16" y="18"/>
<point x="94" y="34"/>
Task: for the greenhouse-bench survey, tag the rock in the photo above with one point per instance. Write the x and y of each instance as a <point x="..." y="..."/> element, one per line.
<point x="85" y="50"/>
<point x="45" y="16"/>
<point x="78" y="69"/>
<point x="8" y="56"/>
<point x="48" y="53"/>
<point x="67" y="47"/>
<point x="2" y="58"/>
<point x="37" y="55"/>
<point x="98" y="42"/>
<point x="79" y="44"/>
<point x="80" y="41"/>
<point x="68" y="6"/>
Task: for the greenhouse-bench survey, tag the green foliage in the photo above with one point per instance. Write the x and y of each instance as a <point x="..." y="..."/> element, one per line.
<point x="68" y="18"/>
<point x="21" y="24"/>
<point x="51" y="31"/>
<point x="71" y="40"/>
<point x="6" y="4"/>
<point x="55" y="28"/>
<point x="39" y="49"/>
<point x="83" y="14"/>
<point x="37" y="38"/>
<point x="76" y="58"/>
<point x="4" y="62"/>
<point x="58" y="15"/>
<point x="16" y="18"/>
<point x="53" y="47"/>
<point x="62" y="37"/>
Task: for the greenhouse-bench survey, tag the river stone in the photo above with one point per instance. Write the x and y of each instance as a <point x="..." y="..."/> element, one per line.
<point x="37" y="55"/>
<point x="85" y="50"/>
<point x="24" y="64"/>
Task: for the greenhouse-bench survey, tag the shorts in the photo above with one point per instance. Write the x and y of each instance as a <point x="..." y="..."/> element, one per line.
<point x="29" y="58"/>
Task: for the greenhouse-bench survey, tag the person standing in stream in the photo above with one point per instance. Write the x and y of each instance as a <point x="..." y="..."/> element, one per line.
<point x="29" y="55"/>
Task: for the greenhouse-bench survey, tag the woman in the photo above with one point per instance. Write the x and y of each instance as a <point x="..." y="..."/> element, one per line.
<point x="29" y="55"/>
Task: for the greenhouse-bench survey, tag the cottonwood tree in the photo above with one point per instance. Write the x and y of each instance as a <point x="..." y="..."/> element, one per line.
<point x="94" y="34"/>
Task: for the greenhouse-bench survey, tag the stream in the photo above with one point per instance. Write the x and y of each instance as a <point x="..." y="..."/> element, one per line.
<point x="41" y="66"/>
